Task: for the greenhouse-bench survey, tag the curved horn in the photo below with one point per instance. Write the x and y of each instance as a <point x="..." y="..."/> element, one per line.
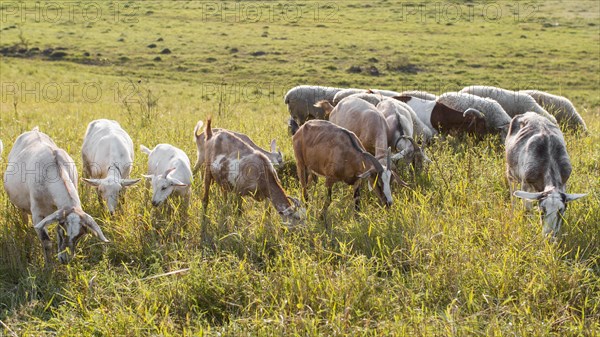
<point x="169" y="171"/>
<point x="412" y="141"/>
<point x="91" y="224"/>
<point x="473" y="112"/>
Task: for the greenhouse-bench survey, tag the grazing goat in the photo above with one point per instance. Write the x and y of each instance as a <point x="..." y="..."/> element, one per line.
<point x="537" y="159"/>
<point x="237" y="166"/>
<point x="438" y="116"/>
<point x="107" y="155"/>
<point x="41" y="180"/>
<point x="513" y="102"/>
<point x="362" y="118"/>
<point x="326" y="149"/>
<point x="400" y="133"/>
<point x="560" y="107"/>
<point x="169" y="172"/>
<point x="275" y="156"/>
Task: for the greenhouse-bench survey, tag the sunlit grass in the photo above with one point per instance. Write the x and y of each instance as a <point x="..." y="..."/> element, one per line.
<point x="452" y="256"/>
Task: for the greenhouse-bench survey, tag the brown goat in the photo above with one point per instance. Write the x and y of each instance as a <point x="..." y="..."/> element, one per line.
<point x="274" y="155"/>
<point x="239" y="168"/>
<point x="362" y="118"/>
<point x="326" y="149"/>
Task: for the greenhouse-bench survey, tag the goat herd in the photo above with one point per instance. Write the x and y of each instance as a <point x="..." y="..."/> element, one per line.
<point x="341" y="134"/>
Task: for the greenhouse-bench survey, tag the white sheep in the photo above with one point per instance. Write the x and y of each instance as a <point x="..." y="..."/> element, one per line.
<point x="378" y="93"/>
<point x="496" y="119"/>
<point x="560" y="107"/>
<point x="419" y="94"/>
<point x="513" y="102"/>
<point x="301" y="100"/>
<point x="340" y="95"/>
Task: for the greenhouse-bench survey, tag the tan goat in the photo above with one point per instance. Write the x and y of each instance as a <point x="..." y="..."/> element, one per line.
<point x="331" y="151"/>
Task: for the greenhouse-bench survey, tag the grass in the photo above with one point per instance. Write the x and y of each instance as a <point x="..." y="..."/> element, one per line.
<point x="451" y="256"/>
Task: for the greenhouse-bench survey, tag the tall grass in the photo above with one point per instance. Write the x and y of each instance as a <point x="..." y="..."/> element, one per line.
<point x="452" y="256"/>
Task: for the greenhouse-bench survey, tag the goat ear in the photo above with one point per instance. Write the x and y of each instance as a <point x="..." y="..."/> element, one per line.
<point x="573" y="197"/>
<point x="91" y="224"/>
<point x="92" y="182"/>
<point x="273" y="146"/>
<point x="176" y="182"/>
<point x="49" y="219"/>
<point x="529" y="195"/>
<point x="129" y="182"/>
<point x="147" y="176"/>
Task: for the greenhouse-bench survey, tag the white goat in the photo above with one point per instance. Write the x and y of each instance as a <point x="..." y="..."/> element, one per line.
<point x="170" y="172"/>
<point x="107" y="155"/>
<point x="41" y="180"/>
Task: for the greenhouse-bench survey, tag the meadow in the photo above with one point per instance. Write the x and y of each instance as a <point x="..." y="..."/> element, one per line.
<point x="451" y="257"/>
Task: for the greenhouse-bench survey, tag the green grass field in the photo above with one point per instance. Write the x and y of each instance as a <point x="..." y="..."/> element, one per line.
<point x="451" y="257"/>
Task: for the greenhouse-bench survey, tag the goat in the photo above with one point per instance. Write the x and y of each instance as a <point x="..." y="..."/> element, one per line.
<point x="169" y="172"/>
<point x="41" y="180"/>
<point x="326" y="149"/>
<point x="401" y="134"/>
<point x="275" y="156"/>
<point x="362" y="118"/>
<point x="237" y="166"/>
<point x="537" y="159"/>
<point x="107" y="155"/>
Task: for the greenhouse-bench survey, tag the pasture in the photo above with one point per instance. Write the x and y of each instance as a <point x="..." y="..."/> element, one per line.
<point x="451" y="257"/>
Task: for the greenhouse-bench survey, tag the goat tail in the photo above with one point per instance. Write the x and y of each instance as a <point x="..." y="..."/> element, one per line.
<point x="207" y="129"/>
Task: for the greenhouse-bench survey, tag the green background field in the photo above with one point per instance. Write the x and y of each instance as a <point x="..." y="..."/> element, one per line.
<point x="451" y="257"/>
